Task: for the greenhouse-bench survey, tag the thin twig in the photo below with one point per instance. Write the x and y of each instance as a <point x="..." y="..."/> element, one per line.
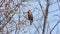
<point x="54" y="26"/>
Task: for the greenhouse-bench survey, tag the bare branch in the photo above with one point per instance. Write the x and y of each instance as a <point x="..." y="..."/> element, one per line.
<point x="54" y="26"/>
<point x="45" y="17"/>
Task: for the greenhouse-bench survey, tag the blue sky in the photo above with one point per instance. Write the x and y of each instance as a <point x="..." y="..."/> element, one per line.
<point x="37" y="14"/>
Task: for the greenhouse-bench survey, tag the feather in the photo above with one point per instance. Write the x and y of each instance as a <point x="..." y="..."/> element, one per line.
<point x="30" y="16"/>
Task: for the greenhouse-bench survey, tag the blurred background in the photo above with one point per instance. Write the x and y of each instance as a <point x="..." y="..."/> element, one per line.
<point x="14" y="17"/>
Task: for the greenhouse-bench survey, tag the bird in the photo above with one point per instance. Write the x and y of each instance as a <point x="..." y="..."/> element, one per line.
<point x="30" y="16"/>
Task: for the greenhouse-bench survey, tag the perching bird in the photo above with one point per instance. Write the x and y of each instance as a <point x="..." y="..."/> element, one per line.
<point x="30" y="17"/>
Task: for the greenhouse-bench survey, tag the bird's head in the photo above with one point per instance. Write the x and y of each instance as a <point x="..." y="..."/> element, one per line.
<point x="29" y="11"/>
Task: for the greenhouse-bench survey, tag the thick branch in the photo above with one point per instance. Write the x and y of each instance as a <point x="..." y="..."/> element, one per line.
<point x="45" y="17"/>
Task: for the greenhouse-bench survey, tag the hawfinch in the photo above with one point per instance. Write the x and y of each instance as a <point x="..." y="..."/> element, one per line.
<point x="30" y="16"/>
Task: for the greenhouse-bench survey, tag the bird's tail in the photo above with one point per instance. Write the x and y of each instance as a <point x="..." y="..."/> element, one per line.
<point x="30" y="22"/>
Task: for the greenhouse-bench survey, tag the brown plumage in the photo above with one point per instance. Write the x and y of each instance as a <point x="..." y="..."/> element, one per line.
<point x="30" y="16"/>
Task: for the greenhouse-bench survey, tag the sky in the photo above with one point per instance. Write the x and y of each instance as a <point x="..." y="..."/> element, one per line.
<point x="37" y="14"/>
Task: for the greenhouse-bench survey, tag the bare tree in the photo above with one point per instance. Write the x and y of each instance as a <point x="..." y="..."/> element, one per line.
<point x="22" y="17"/>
